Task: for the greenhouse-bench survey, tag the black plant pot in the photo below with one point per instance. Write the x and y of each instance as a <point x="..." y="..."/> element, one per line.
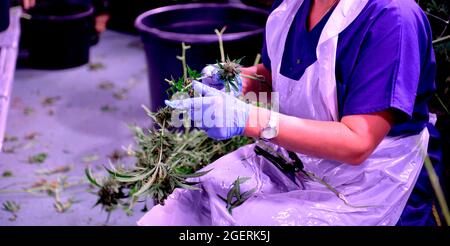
<point x="56" y="36"/>
<point x="163" y="29"/>
<point x="124" y="13"/>
<point x="4" y="15"/>
<point x="264" y="4"/>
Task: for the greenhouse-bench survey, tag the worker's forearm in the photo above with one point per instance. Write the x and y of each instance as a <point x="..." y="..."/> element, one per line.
<point x="323" y="139"/>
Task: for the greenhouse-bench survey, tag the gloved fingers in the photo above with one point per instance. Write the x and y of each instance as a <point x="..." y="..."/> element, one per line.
<point x="209" y="70"/>
<point x="205" y="90"/>
<point x="191" y="103"/>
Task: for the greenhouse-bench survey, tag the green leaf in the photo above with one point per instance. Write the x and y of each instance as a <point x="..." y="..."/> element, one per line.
<point x="238" y="61"/>
<point x="133" y="190"/>
<point x="237" y="189"/>
<point x="7" y="173"/>
<point x="117" y="174"/>
<point x="185" y="186"/>
<point x="38" y="158"/>
<point x="147" y="185"/>
<point x="221" y="198"/>
<point x="138" y="177"/>
<point x="219" y="65"/>
<point x="193" y="73"/>
<point x="193" y="175"/>
<point x="230" y="195"/>
<point x="234" y="86"/>
<point x="247" y="194"/>
<point x="90" y="177"/>
<point x="242" y="180"/>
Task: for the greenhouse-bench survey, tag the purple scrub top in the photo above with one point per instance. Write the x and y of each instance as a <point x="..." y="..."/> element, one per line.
<point x="384" y="60"/>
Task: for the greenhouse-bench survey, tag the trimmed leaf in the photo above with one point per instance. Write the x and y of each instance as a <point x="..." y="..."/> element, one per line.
<point x="91" y="179"/>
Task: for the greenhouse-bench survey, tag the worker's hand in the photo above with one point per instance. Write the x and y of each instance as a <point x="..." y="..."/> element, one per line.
<point x="212" y="79"/>
<point x="27" y="4"/>
<point x="100" y="22"/>
<point x="221" y="115"/>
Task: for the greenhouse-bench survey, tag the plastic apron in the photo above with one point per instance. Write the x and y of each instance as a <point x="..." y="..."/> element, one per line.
<point x="377" y="190"/>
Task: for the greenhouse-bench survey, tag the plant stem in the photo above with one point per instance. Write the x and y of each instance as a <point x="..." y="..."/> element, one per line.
<point x="161" y="142"/>
<point x="441" y="40"/>
<point x="256" y="77"/>
<point x="182" y="58"/>
<point x="442" y="103"/>
<point x="219" y="36"/>
<point x="437" y="17"/>
<point x="257" y="59"/>
<point x="437" y="189"/>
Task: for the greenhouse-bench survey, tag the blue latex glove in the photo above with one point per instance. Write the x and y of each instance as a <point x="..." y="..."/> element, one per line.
<point x="212" y="79"/>
<point x="221" y="115"/>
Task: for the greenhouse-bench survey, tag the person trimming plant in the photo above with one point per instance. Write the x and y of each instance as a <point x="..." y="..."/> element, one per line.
<point x="353" y="79"/>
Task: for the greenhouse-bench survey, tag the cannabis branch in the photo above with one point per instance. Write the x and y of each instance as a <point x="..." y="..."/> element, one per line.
<point x="167" y="157"/>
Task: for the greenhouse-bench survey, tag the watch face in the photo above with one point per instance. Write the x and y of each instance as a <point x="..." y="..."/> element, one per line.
<point x="269" y="133"/>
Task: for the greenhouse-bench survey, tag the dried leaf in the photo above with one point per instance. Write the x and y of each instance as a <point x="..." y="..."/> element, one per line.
<point x="38" y="158"/>
<point x="7" y="174"/>
<point x="11" y="207"/>
<point x="96" y="66"/>
<point x="91" y="178"/>
<point x="90" y="158"/>
<point x="31" y="136"/>
<point x="106" y="85"/>
<point x="121" y="94"/>
<point x="117" y="155"/>
<point x="10" y="150"/>
<point x="8" y="138"/>
<point x="108" y="108"/>
<point x="62" y="207"/>
<point x="28" y="111"/>
<point x="50" y="101"/>
<point x="61" y="169"/>
<point x="234" y="197"/>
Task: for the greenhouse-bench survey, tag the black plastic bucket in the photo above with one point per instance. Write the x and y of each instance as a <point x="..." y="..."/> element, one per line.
<point x="264" y="4"/>
<point x="124" y="13"/>
<point x="4" y="15"/>
<point x="163" y="29"/>
<point x="56" y="36"/>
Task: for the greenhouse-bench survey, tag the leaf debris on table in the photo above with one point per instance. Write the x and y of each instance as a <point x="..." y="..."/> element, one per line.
<point x="9" y="150"/>
<point x="136" y="44"/>
<point x="38" y="158"/>
<point x="121" y="94"/>
<point x="7" y="174"/>
<point x="31" y="136"/>
<point x="96" y="66"/>
<point x="11" y="207"/>
<point x="8" y="138"/>
<point x="108" y="108"/>
<point x="61" y="206"/>
<point x="60" y="169"/>
<point x="90" y="158"/>
<point x="28" y="111"/>
<point x="117" y="155"/>
<point x="50" y="101"/>
<point x="106" y="85"/>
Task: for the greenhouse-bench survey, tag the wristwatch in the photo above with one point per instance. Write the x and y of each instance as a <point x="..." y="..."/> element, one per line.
<point x="270" y="130"/>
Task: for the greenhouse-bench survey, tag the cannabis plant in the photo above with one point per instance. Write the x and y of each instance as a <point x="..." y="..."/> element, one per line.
<point x="166" y="157"/>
